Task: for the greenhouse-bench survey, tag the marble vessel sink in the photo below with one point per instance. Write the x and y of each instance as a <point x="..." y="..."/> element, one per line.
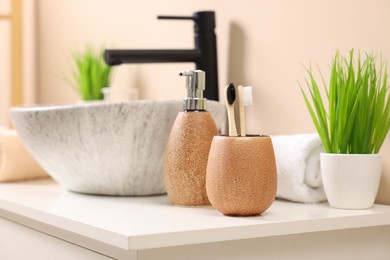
<point x="104" y="148"/>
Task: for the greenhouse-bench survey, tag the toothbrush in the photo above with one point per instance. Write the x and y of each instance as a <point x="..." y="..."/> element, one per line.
<point x="230" y="98"/>
<point x="244" y="99"/>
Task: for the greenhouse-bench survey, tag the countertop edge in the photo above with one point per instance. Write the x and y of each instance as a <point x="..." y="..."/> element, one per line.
<point x="256" y="231"/>
<point x="42" y="214"/>
<point x="70" y="231"/>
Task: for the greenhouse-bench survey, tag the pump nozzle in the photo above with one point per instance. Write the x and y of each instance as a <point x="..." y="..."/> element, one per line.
<point x="195" y="86"/>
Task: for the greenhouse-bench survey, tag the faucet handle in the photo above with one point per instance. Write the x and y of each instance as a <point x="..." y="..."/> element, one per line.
<point x="204" y="20"/>
<point x="170" y="17"/>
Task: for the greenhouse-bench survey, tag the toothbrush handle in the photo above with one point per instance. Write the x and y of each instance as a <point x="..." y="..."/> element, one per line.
<point x="232" y="121"/>
<point x="242" y="110"/>
<point x="230" y="110"/>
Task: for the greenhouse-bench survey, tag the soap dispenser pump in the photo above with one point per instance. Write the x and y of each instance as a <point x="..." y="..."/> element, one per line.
<point x="188" y="146"/>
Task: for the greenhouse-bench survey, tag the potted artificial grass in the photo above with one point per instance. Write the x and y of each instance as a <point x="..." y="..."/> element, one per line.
<point x="352" y="128"/>
<point x="90" y="74"/>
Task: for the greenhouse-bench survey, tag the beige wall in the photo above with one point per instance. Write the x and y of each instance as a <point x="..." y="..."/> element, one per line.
<point x="10" y="96"/>
<point x="260" y="43"/>
<point x="5" y="61"/>
<point x="5" y="70"/>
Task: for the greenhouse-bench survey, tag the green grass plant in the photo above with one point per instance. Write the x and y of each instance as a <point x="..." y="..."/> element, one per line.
<point x="358" y="116"/>
<point x="90" y="74"/>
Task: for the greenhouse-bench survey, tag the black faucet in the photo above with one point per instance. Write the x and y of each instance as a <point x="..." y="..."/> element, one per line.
<point x="204" y="55"/>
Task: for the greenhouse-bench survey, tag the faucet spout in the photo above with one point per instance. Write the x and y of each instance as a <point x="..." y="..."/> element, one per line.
<point x="117" y="57"/>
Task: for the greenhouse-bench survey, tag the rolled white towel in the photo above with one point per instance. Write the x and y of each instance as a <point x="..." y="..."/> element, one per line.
<point x="298" y="167"/>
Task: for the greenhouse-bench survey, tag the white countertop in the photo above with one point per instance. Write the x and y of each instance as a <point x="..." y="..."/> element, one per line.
<point x="132" y="223"/>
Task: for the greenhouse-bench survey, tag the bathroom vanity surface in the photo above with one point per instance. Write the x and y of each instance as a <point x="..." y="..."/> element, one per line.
<point x="150" y="227"/>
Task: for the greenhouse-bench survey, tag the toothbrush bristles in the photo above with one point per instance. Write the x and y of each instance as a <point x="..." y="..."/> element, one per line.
<point x="231" y="93"/>
<point x="247" y="96"/>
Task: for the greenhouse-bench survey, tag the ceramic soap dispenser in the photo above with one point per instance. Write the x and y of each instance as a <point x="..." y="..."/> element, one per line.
<point x="188" y="146"/>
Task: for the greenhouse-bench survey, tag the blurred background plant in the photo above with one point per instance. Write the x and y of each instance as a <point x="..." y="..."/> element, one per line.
<point x="90" y="73"/>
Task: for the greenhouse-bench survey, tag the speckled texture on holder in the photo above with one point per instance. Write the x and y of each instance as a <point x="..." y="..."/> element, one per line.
<point x="241" y="175"/>
<point x="103" y="148"/>
<point x="186" y="158"/>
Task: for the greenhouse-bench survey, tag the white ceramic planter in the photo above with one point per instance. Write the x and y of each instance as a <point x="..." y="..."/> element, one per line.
<point x="351" y="181"/>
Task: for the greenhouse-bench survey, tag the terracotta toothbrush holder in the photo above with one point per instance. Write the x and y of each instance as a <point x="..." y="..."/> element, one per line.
<point x="241" y="174"/>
